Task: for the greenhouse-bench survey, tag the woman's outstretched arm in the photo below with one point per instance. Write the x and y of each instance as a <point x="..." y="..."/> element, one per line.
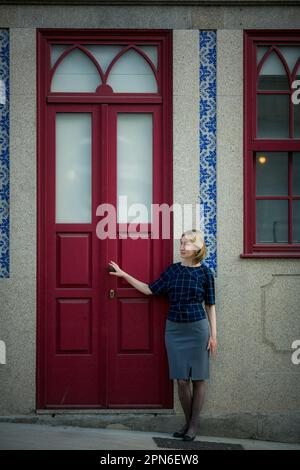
<point x="139" y="285"/>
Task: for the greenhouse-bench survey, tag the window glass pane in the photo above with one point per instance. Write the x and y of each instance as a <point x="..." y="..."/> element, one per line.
<point x="104" y="53"/>
<point x="73" y="167"/>
<point x="296" y="174"/>
<point x="132" y="74"/>
<point x="271" y="221"/>
<point x="76" y="73"/>
<point x="261" y="50"/>
<point x="273" y="116"/>
<point x="271" y="174"/>
<point x="296" y="221"/>
<point x="273" y="75"/>
<point x="56" y="51"/>
<point x="151" y="52"/>
<point x="291" y="55"/>
<point x="134" y="169"/>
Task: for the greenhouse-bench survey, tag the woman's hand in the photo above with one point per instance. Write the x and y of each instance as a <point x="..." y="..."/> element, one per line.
<point x="212" y="345"/>
<point x="118" y="271"/>
<point x="139" y="285"/>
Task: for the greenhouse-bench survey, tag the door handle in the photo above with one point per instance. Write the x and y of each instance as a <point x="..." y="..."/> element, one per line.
<point x="112" y="293"/>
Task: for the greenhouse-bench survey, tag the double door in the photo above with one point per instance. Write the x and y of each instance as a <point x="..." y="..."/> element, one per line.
<point x="102" y="341"/>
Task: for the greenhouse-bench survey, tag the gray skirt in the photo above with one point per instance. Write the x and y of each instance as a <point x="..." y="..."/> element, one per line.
<point x="186" y="344"/>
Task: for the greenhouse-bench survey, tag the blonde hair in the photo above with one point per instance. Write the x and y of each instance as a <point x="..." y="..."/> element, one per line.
<point x="197" y="237"/>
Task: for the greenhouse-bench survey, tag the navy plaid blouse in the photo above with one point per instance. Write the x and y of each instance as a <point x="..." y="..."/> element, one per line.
<point x="187" y="288"/>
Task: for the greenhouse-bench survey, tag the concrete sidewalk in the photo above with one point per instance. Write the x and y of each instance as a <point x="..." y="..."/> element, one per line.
<point x="40" y="437"/>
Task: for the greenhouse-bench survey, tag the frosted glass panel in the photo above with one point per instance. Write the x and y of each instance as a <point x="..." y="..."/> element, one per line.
<point x="291" y="55"/>
<point x="134" y="165"/>
<point x="273" y="116"/>
<point x="73" y="167"/>
<point x="57" y="50"/>
<point x="76" y="73"/>
<point x="271" y="174"/>
<point x="104" y="54"/>
<point x="132" y="74"/>
<point x="261" y="50"/>
<point x="271" y="221"/>
<point x="273" y="66"/>
<point x="151" y="52"/>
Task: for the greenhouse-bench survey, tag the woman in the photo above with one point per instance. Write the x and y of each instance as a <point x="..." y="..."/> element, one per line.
<point x="190" y="337"/>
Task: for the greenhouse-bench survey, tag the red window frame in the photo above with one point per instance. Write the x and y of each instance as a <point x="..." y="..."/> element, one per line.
<point x="252" y="144"/>
<point x="131" y="38"/>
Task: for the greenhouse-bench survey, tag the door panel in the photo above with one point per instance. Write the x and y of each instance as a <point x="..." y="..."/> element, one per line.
<point x="74" y="356"/>
<point x="138" y="373"/>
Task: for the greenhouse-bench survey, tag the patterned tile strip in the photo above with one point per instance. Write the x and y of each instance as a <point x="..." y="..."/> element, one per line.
<point x="4" y="153"/>
<point x="208" y="154"/>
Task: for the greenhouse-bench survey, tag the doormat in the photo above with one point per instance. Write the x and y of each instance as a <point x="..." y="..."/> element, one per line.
<point x="195" y="445"/>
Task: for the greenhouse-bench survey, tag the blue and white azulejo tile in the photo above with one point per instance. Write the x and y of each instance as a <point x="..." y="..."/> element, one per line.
<point x="207" y="143"/>
<point x="4" y="153"/>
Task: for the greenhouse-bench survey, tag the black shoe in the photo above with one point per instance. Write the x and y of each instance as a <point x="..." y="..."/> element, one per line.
<point x="179" y="433"/>
<point x="189" y="438"/>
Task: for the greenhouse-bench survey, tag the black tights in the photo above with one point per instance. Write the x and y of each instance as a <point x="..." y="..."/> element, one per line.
<point x="191" y="404"/>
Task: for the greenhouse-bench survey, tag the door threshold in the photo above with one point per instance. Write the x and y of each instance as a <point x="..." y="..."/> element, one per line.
<point x="104" y="411"/>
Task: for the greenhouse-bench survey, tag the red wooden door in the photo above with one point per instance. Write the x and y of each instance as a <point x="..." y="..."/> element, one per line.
<point x="103" y="131"/>
<point x="101" y="351"/>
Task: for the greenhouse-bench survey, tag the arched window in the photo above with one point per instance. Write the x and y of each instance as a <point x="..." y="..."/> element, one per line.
<point x="273" y="75"/>
<point x="132" y="73"/>
<point x="125" y="69"/>
<point x="76" y="73"/>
